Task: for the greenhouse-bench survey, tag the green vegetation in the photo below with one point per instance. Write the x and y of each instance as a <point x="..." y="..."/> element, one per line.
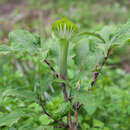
<point x="66" y="76"/>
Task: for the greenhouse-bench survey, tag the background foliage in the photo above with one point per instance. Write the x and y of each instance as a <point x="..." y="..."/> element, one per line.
<point x="24" y="74"/>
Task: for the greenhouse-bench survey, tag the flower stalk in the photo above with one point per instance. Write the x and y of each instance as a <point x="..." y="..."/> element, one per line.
<point x="63" y="54"/>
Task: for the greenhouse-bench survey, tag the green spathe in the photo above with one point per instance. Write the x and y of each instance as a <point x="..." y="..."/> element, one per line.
<point x="64" y="28"/>
<point x="64" y="23"/>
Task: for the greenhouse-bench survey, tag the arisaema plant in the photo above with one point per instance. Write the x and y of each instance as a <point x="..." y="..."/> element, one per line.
<point x="87" y="56"/>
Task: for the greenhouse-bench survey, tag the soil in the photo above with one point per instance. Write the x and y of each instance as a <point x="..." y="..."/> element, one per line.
<point x="125" y="66"/>
<point x="8" y="7"/>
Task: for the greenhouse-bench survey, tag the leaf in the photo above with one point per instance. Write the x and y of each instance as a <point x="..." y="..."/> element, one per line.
<point x="44" y="128"/>
<point x="92" y="34"/>
<point x="128" y="110"/>
<point x="45" y="82"/>
<point x="90" y="101"/>
<point x="106" y="128"/>
<point x="116" y="35"/>
<point x="61" y="110"/>
<point x="81" y="51"/>
<point x="107" y="33"/>
<point x="88" y="53"/>
<point x="10" y="119"/>
<point x="122" y="34"/>
<point x="43" y="55"/>
<point x="4" y="49"/>
<point x="59" y="81"/>
<point x="128" y="40"/>
<point x="97" y="123"/>
<point x="114" y="46"/>
<point x="85" y="126"/>
<point x="37" y="40"/>
<point x="45" y="120"/>
<point x="104" y="48"/>
<point x="20" y="93"/>
<point x="36" y="107"/>
<point x="94" y="58"/>
<point x="22" y="40"/>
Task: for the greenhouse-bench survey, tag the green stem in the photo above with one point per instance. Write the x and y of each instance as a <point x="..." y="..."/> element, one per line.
<point x="63" y="53"/>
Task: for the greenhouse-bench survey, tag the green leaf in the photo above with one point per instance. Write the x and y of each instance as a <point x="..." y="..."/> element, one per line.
<point x="37" y="40"/>
<point x="45" y="120"/>
<point x="4" y="49"/>
<point x="59" y="81"/>
<point x="97" y="123"/>
<point x="20" y="93"/>
<point x="22" y="40"/>
<point x="92" y="34"/>
<point x="10" y="119"/>
<point x="116" y="35"/>
<point x="94" y="58"/>
<point x="106" y="128"/>
<point x="128" y="40"/>
<point x="128" y="110"/>
<point x="114" y="46"/>
<point x="45" y="82"/>
<point x="81" y="51"/>
<point x="44" y="128"/>
<point x="107" y="33"/>
<point x="61" y="110"/>
<point x="95" y="128"/>
<point x="90" y="101"/>
<point x="85" y="126"/>
<point x="122" y="34"/>
<point x="43" y="55"/>
<point x="36" y="107"/>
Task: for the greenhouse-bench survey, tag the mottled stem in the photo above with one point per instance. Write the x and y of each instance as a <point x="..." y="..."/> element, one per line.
<point x="96" y="74"/>
<point x="63" y="53"/>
